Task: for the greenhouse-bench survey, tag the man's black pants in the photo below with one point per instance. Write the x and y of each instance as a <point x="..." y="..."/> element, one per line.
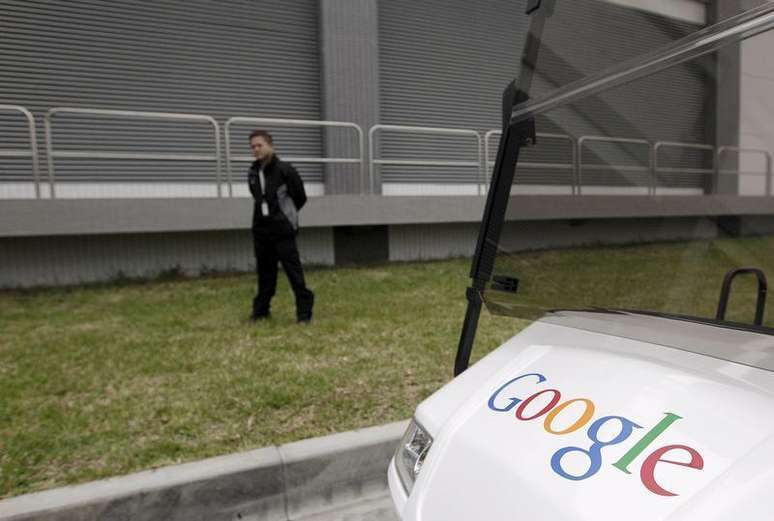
<point x="270" y="249"/>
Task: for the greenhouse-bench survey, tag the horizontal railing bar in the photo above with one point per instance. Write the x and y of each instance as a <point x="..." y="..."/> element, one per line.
<point x="299" y="123"/>
<point x="480" y="163"/>
<point x="33" y="138"/>
<point x="133" y="155"/>
<point x="743" y="172"/>
<point x="675" y="170"/>
<point x="166" y="116"/>
<point x="678" y="144"/>
<point x="292" y="159"/>
<point x="623" y="168"/>
<point x="172" y="116"/>
<point x="420" y="162"/>
<point x="426" y="130"/>
<point x="15" y="153"/>
<point x="606" y="139"/>
<point x="563" y="166"/>
<point x="292" y="122"/>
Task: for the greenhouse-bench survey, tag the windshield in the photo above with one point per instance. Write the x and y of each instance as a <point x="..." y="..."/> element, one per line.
<point x="650" y="176"/>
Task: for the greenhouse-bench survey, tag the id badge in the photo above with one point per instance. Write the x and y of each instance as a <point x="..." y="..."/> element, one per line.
<point x="264" y="208"/>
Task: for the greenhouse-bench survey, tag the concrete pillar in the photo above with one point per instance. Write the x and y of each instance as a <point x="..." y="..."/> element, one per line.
<point x="727" y="95"/>
<point x="349" y="61"/>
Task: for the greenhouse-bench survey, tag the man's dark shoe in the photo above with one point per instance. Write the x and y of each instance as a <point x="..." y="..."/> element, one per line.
<point x="305" y="321"/>
<point x="257" y="317"/>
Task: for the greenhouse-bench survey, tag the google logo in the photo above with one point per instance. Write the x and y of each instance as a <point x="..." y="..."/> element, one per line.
<point x="501" y="402"/>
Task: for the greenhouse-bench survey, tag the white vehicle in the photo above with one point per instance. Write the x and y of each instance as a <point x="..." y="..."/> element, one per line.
<point x="641" y="407"/>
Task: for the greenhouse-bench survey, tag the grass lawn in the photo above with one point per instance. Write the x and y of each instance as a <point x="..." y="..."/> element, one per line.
<point x="105" y="380"/>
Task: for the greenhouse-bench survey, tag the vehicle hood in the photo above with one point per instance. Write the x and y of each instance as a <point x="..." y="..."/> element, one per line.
<point x="616" y="428"/>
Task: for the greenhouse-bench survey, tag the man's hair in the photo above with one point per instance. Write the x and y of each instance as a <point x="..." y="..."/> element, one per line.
<point x="261" y="133"/>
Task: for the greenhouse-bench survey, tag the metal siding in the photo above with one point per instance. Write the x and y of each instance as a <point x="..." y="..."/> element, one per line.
<point x="235" y="58"/>
<point x="67" y="260"/>
<point x="587" y="36"/>
<point x="445" y="63"/>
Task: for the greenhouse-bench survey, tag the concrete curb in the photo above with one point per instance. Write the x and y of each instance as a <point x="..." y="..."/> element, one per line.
<point x="272" y="484"/>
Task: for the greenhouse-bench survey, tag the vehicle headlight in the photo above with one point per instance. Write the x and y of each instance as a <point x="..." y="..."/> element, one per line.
<point x="411" y="454"/>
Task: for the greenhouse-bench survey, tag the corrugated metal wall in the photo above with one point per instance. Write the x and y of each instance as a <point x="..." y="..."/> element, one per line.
<point x="248" y="58"/>
<point x="445" y="63"/>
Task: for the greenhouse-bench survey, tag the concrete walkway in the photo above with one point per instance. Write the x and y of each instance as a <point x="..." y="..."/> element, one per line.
<point x="378" y="509"/>
<point x="339" y="477"/>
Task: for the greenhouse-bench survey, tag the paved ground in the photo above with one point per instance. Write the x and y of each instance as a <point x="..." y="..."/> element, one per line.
<point x="374" y="510"/>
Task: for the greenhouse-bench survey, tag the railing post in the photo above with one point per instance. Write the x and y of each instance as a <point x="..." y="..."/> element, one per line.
<point x="580" y="164"/>
<point x="302" y="123"/>
<point x="33" y="137"/>
<point x="218" y="176"/>
<point x="371" y="152"/>
<point x="482" y="181"/>
<point x="227" y="144"/>
<point x="652" y="170"/>
<point x="432" y="131"/>
<point x="361" y="149"/>
<point x="575" y="167"/>
<point x="742" y="150"/>
<point x="609" y="139"/>
<point x="50" y="152"/>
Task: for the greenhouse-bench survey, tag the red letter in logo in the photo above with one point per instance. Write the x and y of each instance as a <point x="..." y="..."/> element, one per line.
<point x="649" y="466"/>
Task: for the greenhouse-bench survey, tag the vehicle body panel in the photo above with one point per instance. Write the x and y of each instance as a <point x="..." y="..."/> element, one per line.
<point x="487" y="464"/>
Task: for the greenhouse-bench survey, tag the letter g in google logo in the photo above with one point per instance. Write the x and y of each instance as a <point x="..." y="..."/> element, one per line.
<point x="502" y="402"/>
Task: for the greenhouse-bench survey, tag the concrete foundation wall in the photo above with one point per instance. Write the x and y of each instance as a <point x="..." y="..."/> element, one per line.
<point x="69" y="260"/>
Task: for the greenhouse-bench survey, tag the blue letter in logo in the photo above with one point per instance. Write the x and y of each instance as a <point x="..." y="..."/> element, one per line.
<point x="595" y="451"/>
<point x="513" y="401"/>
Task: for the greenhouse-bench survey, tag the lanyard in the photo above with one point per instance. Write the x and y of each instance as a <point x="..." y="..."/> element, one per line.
<point x="264" y="203"/>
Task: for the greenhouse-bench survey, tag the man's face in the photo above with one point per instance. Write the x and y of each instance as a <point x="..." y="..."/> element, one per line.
<point x="261" y="148"/>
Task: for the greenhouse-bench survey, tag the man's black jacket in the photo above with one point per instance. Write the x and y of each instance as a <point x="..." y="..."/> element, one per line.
<point x="284" y="196"/>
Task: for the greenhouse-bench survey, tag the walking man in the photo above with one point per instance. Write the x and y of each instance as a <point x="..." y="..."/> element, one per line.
<point x="279" y="194"/>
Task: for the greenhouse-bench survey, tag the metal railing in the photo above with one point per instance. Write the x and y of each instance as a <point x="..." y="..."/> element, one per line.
<point x="299" y="123"/>
<point x="659" y="145"/>
<point x="616" y="168"/>
<point x="573" y="166"/>
<point x="33" y="150"/>
<point x="420" y="162"/>
<point x="742" y="150"/>
<point x="483" y="162"/>
<point x="52" y="154"/>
